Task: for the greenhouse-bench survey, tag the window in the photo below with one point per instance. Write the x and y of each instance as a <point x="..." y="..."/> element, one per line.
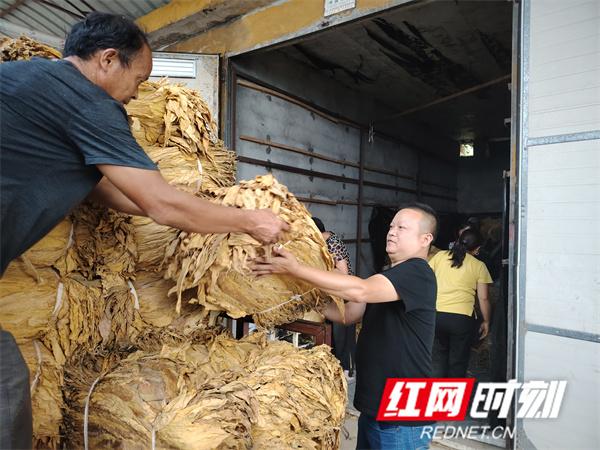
<point x="467" y="149"/>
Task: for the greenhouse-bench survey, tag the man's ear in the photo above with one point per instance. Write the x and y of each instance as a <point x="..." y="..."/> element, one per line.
<point x="108" y="57"/>
<point x="427" y="239"/>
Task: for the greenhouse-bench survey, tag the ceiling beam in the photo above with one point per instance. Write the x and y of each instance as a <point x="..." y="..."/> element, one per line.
<point x="275" y="22"/>
<point x="444" y="99"/>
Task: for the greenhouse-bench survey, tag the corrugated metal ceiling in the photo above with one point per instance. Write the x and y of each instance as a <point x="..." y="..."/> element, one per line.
<point x="55" y="17"/>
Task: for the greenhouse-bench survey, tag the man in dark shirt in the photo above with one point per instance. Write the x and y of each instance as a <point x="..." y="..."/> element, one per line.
<point x="64" y="136"/>
<point x="397" y="308"/>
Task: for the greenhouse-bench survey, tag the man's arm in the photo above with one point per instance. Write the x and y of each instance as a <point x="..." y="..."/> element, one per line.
<point x="105" y="193"/>
<point x="166" y="205"/>
<point x="375" y="289"/>
<point x="353" y="312"/>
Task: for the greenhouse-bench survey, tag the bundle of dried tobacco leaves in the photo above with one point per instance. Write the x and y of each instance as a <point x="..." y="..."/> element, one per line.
<point x="28" y="301"/>
<point x="213" y="393"/>
<point x="217" y="265"/>
<point x="176" y="129"/>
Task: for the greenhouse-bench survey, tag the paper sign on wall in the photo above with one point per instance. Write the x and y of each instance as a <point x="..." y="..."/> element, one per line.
<point x="336" y="6"/>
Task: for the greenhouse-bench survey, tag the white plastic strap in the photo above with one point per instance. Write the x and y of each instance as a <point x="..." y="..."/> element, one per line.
<point x="293" y="298"/>
<point x="153" y="438"/>
<point x="199" y="182"/>
<point x="38" y="372"/>
<point x="59" y="298"/>
<point x="136" y="300"/>
<point x="86" y="414"/>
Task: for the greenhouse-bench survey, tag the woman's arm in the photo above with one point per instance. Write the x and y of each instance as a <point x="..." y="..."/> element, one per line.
<point x="486" y="309"/>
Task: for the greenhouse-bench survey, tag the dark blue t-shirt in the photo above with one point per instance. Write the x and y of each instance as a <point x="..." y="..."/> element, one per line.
<point x="396" y="338"/>
<point x="55" y="126"/>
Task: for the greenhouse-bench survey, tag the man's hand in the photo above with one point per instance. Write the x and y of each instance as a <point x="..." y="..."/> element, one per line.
<point x="264" y="226"/>
<point x="282" y="262"/>
<point x="484" y="329"/>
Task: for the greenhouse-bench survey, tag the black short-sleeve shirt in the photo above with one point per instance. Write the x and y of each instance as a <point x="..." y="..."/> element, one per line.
<point x="55" y="126"/>
<point x="396" y="338"/>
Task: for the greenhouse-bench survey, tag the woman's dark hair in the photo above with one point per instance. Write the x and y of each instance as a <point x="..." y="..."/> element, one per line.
<point x="99" y="31"/>
<point x="319" y="223"/>
<point x="472" y="223"/>
<point x="468" y="241"/>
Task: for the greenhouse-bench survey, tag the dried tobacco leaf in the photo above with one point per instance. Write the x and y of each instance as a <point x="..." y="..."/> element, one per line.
<point x="25" y="48"/>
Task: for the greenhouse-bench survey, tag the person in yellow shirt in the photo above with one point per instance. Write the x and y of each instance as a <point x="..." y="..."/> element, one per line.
<point x="459" y="277"/>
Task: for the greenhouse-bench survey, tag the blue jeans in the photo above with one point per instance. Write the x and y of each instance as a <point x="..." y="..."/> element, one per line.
<point x="373" y="435"/>
<point x="15" y="401"/>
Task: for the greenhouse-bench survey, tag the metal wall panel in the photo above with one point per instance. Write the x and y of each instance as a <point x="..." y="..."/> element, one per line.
<point x="563" y="263"/>
<point x="578" y="362"/>
<point x="384" y="153"/>
<point x="564" y="79"/>
<point x="558" y="265"/>
<point x="302" y="186"/>
<point x="336" y="218"/>
<point x="271" y="118"/>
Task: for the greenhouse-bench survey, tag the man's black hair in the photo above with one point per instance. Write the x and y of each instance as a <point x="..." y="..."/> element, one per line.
<point x="99" y="31"/>
<point x="428" y="211"/>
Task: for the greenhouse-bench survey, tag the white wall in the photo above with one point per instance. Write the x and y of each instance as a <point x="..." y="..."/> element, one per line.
<point x="563" y="249"/>
<point x="564" y="84"/>
<point x="562" y="218"/>
<point x="556" y="358"/>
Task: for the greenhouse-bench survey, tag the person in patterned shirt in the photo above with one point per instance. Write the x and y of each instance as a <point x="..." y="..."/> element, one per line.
<point x="344" y="336"/>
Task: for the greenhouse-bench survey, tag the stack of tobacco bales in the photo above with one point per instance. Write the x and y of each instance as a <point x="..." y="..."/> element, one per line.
<point x="211" y="392"/>
<point x="115" y="315"/>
